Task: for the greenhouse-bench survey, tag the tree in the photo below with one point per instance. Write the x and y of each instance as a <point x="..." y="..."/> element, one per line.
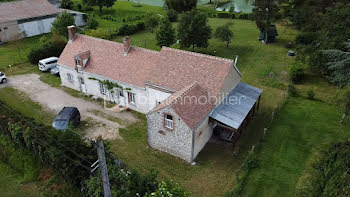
<point x="181" y="5"/>
<point x="151" y="22"/>
<point x="61" y="23"/>
<point x="91" y="22"/>
<point x="66" y="4"/>
<point x="265" y="12"/>
<point x="100" y="3"/>
<point x="193" y="30"/>
<point x="224" y="33"/>
<point x="165" y="33"/>
<point x="347" y="106"/>
<point x="336" y="64"/>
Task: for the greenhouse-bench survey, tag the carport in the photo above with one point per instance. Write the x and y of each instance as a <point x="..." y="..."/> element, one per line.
<point x="235" y="111"/>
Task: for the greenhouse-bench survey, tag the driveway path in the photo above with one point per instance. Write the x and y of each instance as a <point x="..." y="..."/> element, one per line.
<point x="54" y="99"/>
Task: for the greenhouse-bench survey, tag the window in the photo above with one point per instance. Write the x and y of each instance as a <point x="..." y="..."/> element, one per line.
<point x="131" y="97"/>
<point x="78" y="61"/>
<point x="103" y="88"/>
<point x="69" y="77"/>
<point x="168" y="121"/>
<point x="121" y="92"/>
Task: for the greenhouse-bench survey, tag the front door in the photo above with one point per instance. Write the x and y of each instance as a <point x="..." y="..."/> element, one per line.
<point x="82" y="84"/>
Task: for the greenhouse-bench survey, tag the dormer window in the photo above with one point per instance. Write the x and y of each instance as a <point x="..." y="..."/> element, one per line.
<point x="168" y="121"/>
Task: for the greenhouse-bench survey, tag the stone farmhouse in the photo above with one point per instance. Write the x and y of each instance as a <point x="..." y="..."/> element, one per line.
<point x="188" y="97"/>
<point x="30" y="18"/>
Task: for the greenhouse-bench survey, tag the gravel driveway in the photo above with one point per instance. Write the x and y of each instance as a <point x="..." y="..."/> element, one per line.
<point x="54" y="99"/>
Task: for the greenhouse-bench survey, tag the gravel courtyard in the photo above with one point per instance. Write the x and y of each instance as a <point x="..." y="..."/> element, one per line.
<point x="54" y="99"/>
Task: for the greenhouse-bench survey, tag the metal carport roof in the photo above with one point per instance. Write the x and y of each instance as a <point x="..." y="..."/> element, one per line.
<point x="233" y="110"/>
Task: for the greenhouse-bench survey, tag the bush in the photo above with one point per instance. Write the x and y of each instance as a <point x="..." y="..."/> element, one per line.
<point x="91" y="22"/>
<point x="100" y="33"/>
<point x="311" y="94"/>
<point x="172" y="15"/>
<point x="80" y="7"/>
<point x="66" y="4"/>
<point x="291" y="90"/>
<point x="128" y="29"/>
<point x="223" y="14"/>
<point x="297" y="74"/>
<point x="62" y="21"/>
<point x="151" y="22"/>
<point x="306" y="38"/>
<point x="47" y="49"/>
<point x="244" y="16"/>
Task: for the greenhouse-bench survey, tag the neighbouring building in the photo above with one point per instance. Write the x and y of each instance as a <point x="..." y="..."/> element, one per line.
<point x="187" y="97"/>
<point x="26" y="18"/>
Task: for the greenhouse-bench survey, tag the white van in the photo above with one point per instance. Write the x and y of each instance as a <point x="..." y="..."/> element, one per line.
<point x="48" y="63"/>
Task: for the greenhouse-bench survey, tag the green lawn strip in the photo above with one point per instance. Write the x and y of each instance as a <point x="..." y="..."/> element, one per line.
<point x="297" y="133"/>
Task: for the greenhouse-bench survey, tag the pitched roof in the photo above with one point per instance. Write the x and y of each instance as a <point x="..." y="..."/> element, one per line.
<point x="188" y="73"/>
<point x="184" y="67"/>
<point x="107" y="59"/>
<point x="191" y="103"/>
<point x="24" y="9"/>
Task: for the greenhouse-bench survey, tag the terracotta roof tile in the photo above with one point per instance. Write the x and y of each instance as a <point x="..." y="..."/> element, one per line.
<point x="178" y="68"/>
<point x="107" y="59"/>
<point x="17" y="10"/>
<point x="190" y="103"/>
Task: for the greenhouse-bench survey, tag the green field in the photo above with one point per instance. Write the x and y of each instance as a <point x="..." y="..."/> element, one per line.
<point x="301" y="129"/>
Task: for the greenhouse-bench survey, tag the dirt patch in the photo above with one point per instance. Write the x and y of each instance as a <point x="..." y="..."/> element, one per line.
<point x="54" y="99"/>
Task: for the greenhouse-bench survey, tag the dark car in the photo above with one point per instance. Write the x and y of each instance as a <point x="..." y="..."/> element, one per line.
<point x="67" y="115"/>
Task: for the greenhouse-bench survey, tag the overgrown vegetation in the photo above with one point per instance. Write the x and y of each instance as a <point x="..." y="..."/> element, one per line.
<point x="328" y="175"/>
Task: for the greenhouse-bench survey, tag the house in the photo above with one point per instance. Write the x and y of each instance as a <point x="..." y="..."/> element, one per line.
<point x="186" y="96"/>
<point x="26" y="18"/>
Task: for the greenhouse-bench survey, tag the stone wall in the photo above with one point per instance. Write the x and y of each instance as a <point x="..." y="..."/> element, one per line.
<point x="177" y="142"/>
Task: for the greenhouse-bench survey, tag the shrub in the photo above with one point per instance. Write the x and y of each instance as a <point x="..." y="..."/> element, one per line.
<point x="91" y="22"/>
<point x="80" y="7"/>
<point x="47" y="49"/>
<point x="140" y="26"/>
<point x="172" y="15"/>
<point x="291" y="90"/>
<point x="100" y="33"/>
<point x="297" y="73"/>
<point x="66" y="4"/>
<point x="311" y="94"/>
<point x="223" y="14"/>
<point x="127" y="29"/>
<point x="306" y="38"/>
<point x="244" y="16"/>
<point x="151" y="22"/>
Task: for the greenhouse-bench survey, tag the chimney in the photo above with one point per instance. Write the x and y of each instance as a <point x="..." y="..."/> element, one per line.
<point x="71" y="33"/>
<point x="127" y="46"/>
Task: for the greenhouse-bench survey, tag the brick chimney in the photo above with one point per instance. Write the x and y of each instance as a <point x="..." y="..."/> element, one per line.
<point x="71" y="33"/>
<point x="127" y="46"/>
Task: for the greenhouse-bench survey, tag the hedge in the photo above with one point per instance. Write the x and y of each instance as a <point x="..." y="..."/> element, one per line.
<point x="50" y="49"/>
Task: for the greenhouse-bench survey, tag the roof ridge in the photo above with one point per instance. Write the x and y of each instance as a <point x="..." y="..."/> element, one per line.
<point x="185" y="92"/>
<point x="118" y="43"/>
<point x="198" y="54"/>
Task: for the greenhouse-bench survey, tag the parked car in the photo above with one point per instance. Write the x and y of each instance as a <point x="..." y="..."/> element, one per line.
<point x="55" y="71"/>
<point x="67" y="115"/>
<point x="3" y="78"/>
<point x="48" y="63"/>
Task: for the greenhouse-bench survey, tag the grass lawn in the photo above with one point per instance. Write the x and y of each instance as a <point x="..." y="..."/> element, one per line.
<point x="10" y="55"/>
<point x="298" y="132"/>
<point x="11" y="186"/>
